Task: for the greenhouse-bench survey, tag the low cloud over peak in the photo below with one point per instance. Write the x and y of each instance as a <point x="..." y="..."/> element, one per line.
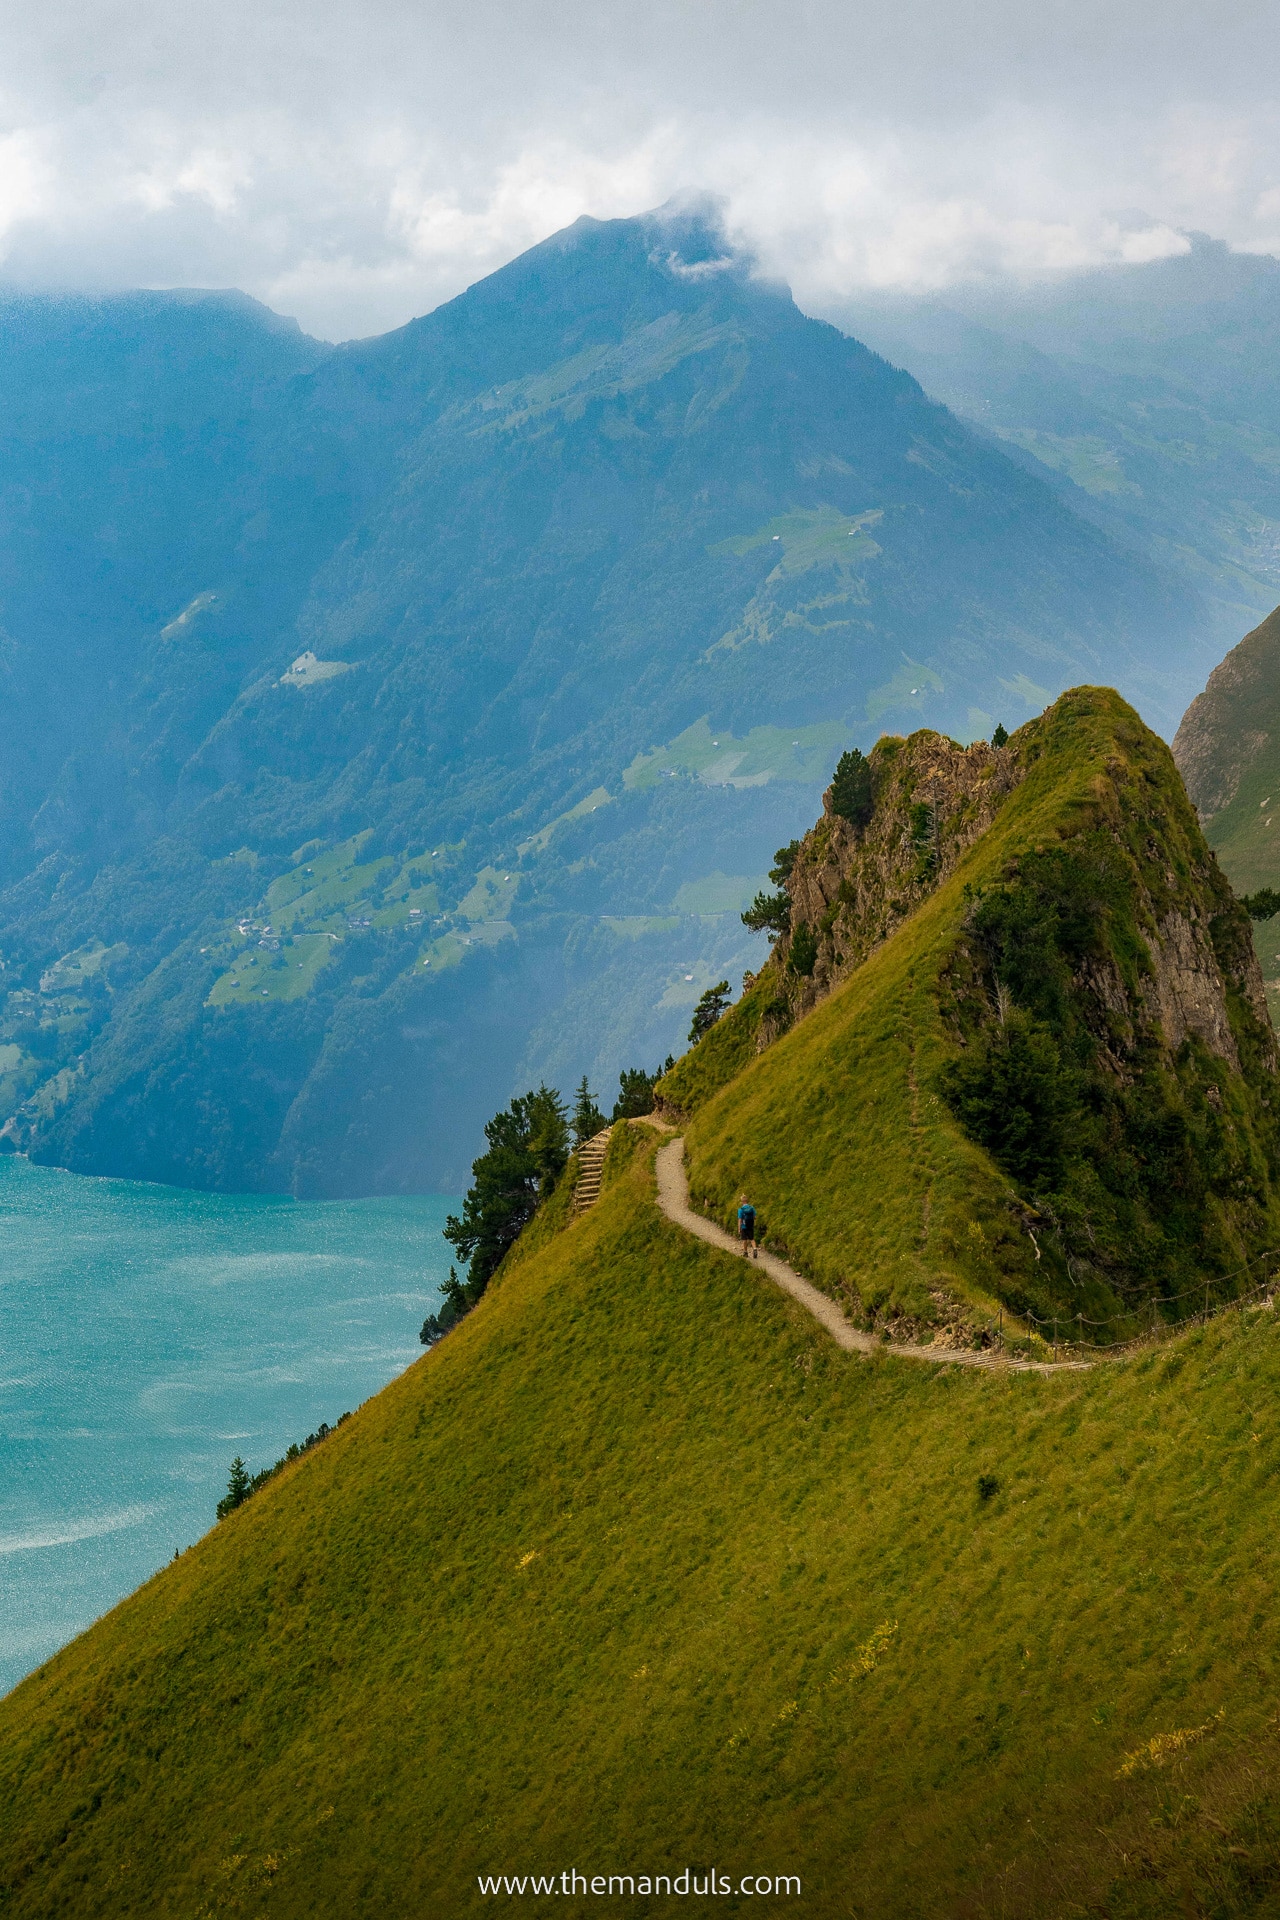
<point x="355" y="167"/>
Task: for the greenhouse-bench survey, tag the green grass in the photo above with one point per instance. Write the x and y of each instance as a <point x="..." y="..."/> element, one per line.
<point x="636" y="1570"/>
<point x="719" y="893"/>
<point x="808" y="537"/>
<point x="600" y="797"/>
<point x="490" y="896"/>
<point x="262" y="975"/>
<point x="1086" y="459"/>
<point x="806" y="754"/>
<point x="313" y="902"/>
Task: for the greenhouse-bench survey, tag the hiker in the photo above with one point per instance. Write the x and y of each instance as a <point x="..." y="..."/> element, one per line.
<point x="747" y="1228"/>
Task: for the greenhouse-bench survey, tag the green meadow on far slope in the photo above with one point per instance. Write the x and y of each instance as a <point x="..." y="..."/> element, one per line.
<point x="635" y="1570"/>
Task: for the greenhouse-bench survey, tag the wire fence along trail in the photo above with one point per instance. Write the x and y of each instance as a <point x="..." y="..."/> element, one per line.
<point x="1262" y="1290"/>
<point x="993" y="1348"/>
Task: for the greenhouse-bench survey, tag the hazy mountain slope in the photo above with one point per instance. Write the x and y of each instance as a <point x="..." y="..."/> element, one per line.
<point x="130" y="455"/>
<point x="1149" y="391"/>
<point x="637" y="1571"/>
<point x="1228" y="752"/>
<point x="618" y="498"/>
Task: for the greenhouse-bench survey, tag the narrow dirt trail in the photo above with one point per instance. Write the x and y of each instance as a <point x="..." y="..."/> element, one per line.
<point x="673" y="1200"/>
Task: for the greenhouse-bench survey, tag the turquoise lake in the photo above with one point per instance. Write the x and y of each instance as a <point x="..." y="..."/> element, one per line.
<point x="147" y="1335"/>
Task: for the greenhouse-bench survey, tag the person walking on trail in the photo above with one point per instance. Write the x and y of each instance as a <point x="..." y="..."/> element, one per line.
<point x="747" y="1228"/>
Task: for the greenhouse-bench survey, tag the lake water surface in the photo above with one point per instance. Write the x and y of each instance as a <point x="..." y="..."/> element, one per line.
<point x="148" y="1334"/>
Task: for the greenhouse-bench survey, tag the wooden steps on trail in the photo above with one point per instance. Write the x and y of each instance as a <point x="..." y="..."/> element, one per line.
<point x="590" y="1169"/>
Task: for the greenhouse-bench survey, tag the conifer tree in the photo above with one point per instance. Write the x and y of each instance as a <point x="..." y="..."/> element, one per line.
<point x="635" y="1093"/>
<point x="587" y="1117"/>
<point x="239" y="1487"/>
<point x="804" y="949"/>
<point x="528" y="1150"/>
<point x="771" y="912"/>
<point x="851" y="788"/>
<point x="708" y="1010"/>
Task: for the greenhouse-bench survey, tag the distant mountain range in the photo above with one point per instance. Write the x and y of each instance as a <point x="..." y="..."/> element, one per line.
<point x="1150" y="394"/>
<point x="382" y="720"/>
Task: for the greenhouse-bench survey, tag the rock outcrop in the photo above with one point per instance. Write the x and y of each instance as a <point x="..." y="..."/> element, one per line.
<point x="854" y="886"/>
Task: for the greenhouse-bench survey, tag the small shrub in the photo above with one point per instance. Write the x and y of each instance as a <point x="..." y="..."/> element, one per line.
<point x="708" y="1010"/>
<point x="1263" y="905"/>
<point x="988" y="1486"/>
<point x="804" y="949"/>
<point x="768" y="913"/>
<point x="453" y="1304"/>
<point x="1000" y="736"/>
<point x="783" y="861"/>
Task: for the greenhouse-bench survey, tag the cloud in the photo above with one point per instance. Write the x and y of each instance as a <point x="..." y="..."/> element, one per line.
<point x="355" y="166"/>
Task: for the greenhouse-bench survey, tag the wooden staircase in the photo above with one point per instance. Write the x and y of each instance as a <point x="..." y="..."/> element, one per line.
<point x="590" y="1168"/>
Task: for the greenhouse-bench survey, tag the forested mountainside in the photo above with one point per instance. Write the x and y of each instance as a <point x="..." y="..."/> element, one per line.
<point x="638" y="1572"/>
<point x="1228" y="752"/>
<point x="1148" y="393"/>
<point x="389" y="724"/>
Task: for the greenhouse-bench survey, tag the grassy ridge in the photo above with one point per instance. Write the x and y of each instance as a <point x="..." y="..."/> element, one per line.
<point x="838" y="1131"/>
<point x="636" y="1570"/>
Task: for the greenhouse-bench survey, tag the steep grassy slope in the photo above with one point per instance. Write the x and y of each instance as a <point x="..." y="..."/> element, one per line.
<point x="1228" y="751"/>
<point x="636" y="1571"/>
<point x="1082" y="963"/>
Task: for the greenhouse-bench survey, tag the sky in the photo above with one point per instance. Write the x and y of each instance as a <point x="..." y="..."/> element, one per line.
<point x="355" y="164"/>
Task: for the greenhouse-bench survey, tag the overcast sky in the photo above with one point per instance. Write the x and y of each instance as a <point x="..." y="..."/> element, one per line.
<point x="355" y="164"/>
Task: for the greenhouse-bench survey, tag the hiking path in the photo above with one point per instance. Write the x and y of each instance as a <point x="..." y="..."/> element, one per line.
<point x="673" y="1200"/>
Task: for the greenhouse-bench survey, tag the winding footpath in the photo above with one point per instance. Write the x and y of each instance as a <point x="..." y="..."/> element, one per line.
<point x="673" y="1200"/>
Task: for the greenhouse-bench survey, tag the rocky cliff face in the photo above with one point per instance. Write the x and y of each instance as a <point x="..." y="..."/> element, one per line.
<point x="854" y="886"/>
<point x="933" y="799"/>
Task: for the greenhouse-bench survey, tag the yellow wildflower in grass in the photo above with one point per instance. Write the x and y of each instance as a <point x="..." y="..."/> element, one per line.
<point x="870" y="1653"/>
<point x="1163" y="1746"/>
<point x="528" y="1558"/>
<point x="868" y="1656"/>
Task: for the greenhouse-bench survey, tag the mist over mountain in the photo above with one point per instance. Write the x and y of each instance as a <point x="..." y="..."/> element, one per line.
<point x="1148" y="393"/>
<point x="385" y="722"/>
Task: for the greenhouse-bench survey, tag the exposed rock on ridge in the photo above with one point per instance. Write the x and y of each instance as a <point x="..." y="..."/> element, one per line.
<point x="855" y="886"/>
